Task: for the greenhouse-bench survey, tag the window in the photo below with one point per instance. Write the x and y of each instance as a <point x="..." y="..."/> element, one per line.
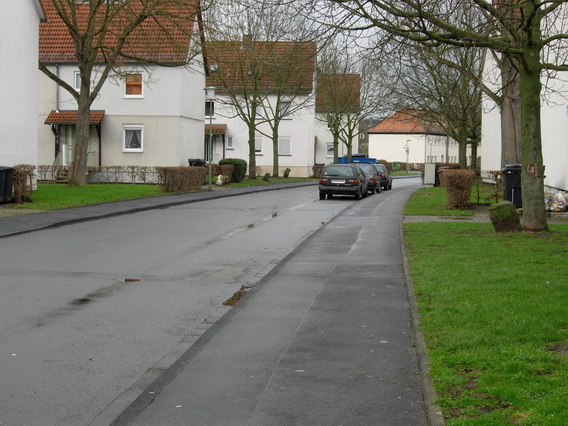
<point x="259" y="113"/>
<point x="133" y="138"/>
<point x="284" y="146"/>
<point x="258" y="145"/>
<point x="208" y="148"/>
<point x="230" y="142"/>
<point x="209" y="108"/>
<point x="77" y="81"/>
<point x="285" y="109"/>
<point x="329" y="151"/>
<point x="133" y="86"/>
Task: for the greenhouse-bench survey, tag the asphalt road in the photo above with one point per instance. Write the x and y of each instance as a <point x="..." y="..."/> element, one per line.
<point x="121" y="319"/>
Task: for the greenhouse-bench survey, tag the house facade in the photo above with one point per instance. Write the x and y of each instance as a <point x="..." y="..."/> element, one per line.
<point x="19" y="103"/>
<point x="402" y="138"/>
<point x="145" y="115"/>
<point x="554" y="131"/>
<point x="271" y="84"/>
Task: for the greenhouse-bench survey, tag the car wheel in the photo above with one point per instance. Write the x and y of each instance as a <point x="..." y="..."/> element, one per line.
<point x="390" y="185"/>
<point x="358" y="195"/>
<point x="329" y="196"/>
<point x="322" y="195"/>
<point x="379" y="189"/>
<point x="365" y="193"/>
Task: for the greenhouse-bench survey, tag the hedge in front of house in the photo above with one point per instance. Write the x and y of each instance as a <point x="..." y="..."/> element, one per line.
<point x="240" y="168"/>
<point x="225" y="170"/>
<point x="181" y="179"/>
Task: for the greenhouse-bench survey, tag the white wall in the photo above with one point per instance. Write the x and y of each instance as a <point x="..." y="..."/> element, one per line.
<point x="19" y="23"/>
<point x="299" y="128"/>
<point x="323" y="137"/>
<point x="554" y="128"/>
<point x="171" y="111"/>
<point x="422" y="148"/>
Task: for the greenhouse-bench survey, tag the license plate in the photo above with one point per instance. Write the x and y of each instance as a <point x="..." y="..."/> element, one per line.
<point x="337" y="181"/>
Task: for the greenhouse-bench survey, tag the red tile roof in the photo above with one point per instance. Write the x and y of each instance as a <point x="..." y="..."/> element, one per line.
<point x="338" y="93"/>
<point x="164" y="37"/>
<point x="403" y="122"/>
<point x="70" y="117"/>
<point x="279" y="64"/>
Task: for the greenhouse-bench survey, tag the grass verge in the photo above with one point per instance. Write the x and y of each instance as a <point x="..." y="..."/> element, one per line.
<point x="433" y="202"/>
<point x="494" y="315"/>
<point x="56" y="197"/>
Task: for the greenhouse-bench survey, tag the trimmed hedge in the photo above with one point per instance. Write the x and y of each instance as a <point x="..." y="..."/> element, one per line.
<point x="240" y="168"/>
<point x="181" y="179"/>
<point x="458" y="185"/>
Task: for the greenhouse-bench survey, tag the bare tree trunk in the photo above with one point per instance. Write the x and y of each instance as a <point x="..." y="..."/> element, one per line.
<point x="78" y="175"/>
<point x="252" y="151"/>
<point x="275" y="159"/>
<point x="510" y="115"/>
<point x="532" y="175"/>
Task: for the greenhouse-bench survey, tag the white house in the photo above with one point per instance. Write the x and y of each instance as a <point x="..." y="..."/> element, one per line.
<point x="147" y="116"/>
<point x="554" y="127"/>
<point x="276" y="74"/>
<point x="403" y="138"/>
<point x="19" y="103"/>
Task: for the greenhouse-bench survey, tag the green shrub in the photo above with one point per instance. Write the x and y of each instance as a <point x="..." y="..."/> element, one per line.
<point x="240" y="168"/>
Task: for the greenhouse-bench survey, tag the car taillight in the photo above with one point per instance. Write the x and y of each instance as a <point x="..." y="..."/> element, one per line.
<point x="353" y="181"/>
<point x="324" y="180"/>
<point x="372" y="180"/>
<point x="383" y="176"/>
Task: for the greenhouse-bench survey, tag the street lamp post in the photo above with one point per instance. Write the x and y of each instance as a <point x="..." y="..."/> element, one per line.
<point x="407" y="149"/>
<point x="210" y="96"/>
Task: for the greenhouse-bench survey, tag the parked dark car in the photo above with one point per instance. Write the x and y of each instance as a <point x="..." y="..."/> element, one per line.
<point x="373" y="177"/>
<point x="342" y="179"/>
<point x="386" y="178"/>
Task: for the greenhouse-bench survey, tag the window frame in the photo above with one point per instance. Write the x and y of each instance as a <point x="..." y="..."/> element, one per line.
<point x="257" y="143"/>
<point x="327" y="150"/>
<point x="289" y="151"/>
<point x="132" y="127"/>
<point x="126" y="84"/>
<point x="212" y="103"/>
<point x="230" y="142"/>
<point x="77" y="81"/>
<point x="285" y="112"/>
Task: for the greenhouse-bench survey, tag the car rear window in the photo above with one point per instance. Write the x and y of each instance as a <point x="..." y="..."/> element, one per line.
<point x="338" y="171"/>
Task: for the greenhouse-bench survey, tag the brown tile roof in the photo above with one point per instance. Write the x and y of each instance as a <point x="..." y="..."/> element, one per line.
<point x="70" y="117"/>
<point x="165" y="37"/>
<point x="406" y="123"/>
<point x="338" y="93"/>
<point x="280" y="65"/>
<point x="217" y="129"/>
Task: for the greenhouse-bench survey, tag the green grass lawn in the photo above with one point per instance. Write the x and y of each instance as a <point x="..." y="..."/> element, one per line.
<point x="494" y="313"/>
<point x="433" y="202"/>
<point x="57" y="197"/>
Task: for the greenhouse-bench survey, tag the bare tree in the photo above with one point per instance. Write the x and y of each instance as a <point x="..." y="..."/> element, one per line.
<point x="101" y="36"/>
<point x="269" y="75"/>
<point x="351" y="87"/>
<point x="530" y="34"/>
<point x="440" y="94"/>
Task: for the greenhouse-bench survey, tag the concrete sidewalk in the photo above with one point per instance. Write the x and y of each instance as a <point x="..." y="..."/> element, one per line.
<point x="326" y="338"/>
